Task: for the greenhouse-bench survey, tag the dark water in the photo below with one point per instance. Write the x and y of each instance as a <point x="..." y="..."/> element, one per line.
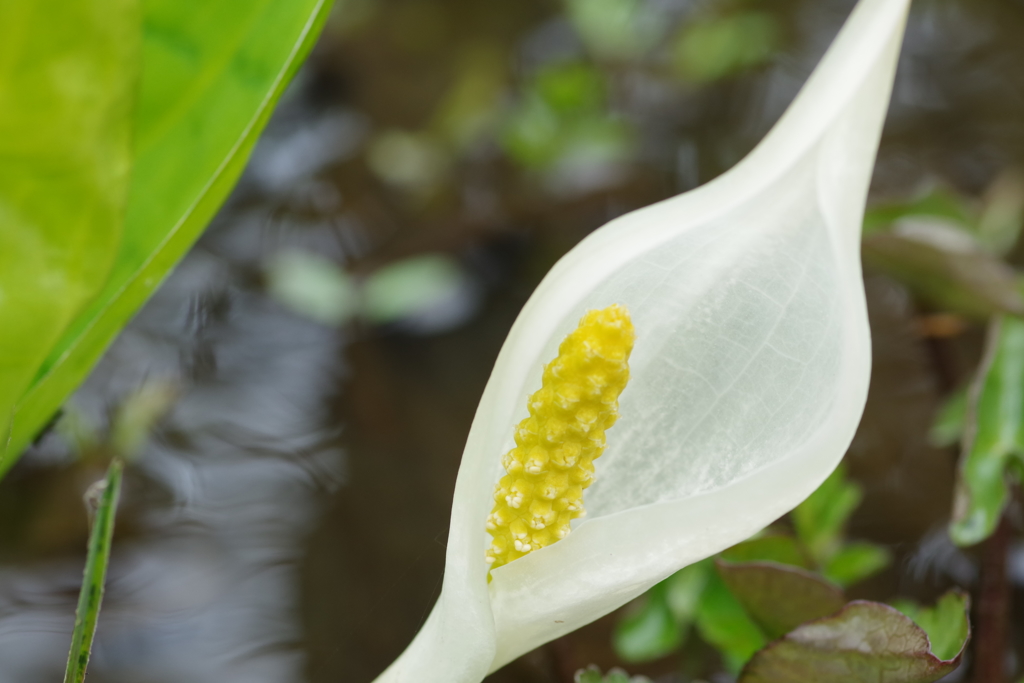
<point x="288" y="520"/>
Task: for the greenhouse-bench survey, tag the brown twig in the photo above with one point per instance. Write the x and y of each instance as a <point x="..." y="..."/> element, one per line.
<point x="560" y="653"/>
<point x="992" y="618"/>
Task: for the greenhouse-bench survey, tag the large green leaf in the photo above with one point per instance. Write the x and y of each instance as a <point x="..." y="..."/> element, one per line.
<point x="994" y="434"/>
<point x="211" y="73"/>
<point x="68" y="84"/>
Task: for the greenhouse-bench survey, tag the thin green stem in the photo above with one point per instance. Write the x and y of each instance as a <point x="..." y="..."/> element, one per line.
<point x="106" y="494"/>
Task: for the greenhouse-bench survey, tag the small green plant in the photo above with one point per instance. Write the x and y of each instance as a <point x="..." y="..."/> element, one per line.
<point x="102" y="500"/>
<point x="593" y="675"/>
<point x="761" y="589"/>
<point x="764" y="603"/>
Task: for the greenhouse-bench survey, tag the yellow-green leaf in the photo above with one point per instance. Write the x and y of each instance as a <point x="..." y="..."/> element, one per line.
<point x="68" y="83"/>
<point x="211" y="73"/>
<point x="945" y="623"/>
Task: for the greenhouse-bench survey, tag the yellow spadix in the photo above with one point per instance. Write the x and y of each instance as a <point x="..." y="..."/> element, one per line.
<point x="553" y="461"/>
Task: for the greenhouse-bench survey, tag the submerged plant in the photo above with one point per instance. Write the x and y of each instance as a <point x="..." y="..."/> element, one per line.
<point x="748" y="377"/>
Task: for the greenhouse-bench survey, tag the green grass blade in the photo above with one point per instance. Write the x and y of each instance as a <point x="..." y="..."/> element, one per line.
<point x="94" y="579"/>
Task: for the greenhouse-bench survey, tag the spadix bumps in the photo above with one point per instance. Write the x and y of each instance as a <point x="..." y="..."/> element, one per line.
<point x="553" y="460"/>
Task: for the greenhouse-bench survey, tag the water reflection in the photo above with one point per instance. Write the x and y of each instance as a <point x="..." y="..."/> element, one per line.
<point x="203" y="581"/>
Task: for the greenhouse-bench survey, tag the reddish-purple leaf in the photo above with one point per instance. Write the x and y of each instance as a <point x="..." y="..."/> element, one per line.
<point x="866" y="642"/>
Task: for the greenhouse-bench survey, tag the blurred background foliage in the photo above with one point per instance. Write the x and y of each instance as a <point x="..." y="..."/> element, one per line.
<point x="331" y="333"/>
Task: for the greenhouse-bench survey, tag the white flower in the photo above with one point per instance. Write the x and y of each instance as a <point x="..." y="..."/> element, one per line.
<point x="749" y="372"/>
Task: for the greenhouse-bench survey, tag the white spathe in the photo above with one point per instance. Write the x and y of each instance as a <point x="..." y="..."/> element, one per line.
<point x="749" y="373"/>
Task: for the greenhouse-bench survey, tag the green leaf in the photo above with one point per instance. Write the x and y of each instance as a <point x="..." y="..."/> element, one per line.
<point x="948" y="426"/>
<point x="855" y="562"/>
<point x="615" y="29"/>
<point x="212" y="72"/>
<point x="141" y="410"/>
<point x="946" y="623"/>
<point x="651" y="632"/>
<point x="469" y="111"/>
<point x="416" y="162"/>
<point x="866" y="642"/>
<point x="779" y="597"/>
<point x="406" y="288"/>
<point x="572" y="88"/>
<point x="819" y="520"/>
<point x="775" y="548"/>
<point x="947" y="268"/>
<point x="684" y="589"/>
<point x="1002" y="215"/>
<point x="723" y="623"/>
<point x="592" y="674"/>
<point x="663" y="616"/>
<point x="713" y="48"/>
<point x="718" y="47"/>
<point x="68" y="81"/>
<point x="936" y="202"/>
<point x="564" y="119"/>
<point x="313" y="286"/>
<point x="94" y="579"/>
<point x="994" y="434"/>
